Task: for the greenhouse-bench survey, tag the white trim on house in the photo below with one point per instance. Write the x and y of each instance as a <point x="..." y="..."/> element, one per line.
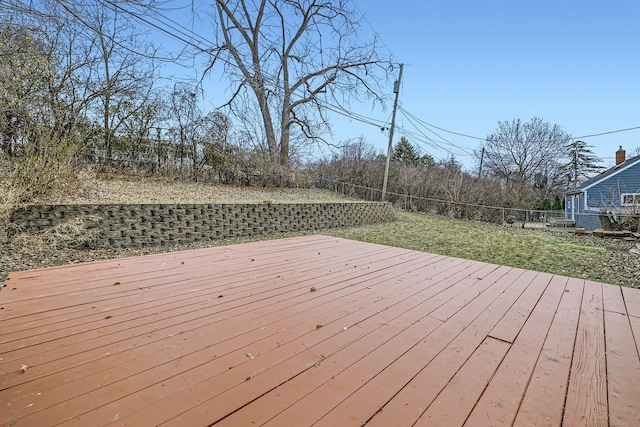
<point x="635" y="199"/>
<point x="574" y="202"/>
<point x="610" y="175"/>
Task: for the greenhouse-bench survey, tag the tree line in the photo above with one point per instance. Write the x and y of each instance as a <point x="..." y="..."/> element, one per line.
<point x="85" y="71"/>
<point x="80" y="84"/>
<point x="522" y="165"/>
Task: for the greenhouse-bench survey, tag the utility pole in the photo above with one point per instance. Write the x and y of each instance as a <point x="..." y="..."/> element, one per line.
<point x="396" y="90"/>
<point x="481" y="160"/>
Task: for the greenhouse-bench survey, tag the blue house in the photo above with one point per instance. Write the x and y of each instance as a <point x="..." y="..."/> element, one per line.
<point x="612" y="196"/>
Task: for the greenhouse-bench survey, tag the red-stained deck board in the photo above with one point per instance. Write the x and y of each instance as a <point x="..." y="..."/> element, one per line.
<point x="127" y="366"/>
<point x="405" y="389"/>
<point x="586" y="402"/>
<point x="241" y="293"/>
<point x="361" y="365"/>
<point x="236" y="336"/>
<point x="381" y="313"/>
<point x="242" y="286"/>
<point x="623" y="368"/>
<point x="632" y="301"/>
<point x="444" y="357"/>
<point x="500" y="402"/>
<point x="124" y="367"/>
<point x="69" y="284"/>
<point x="321" y="294"/>
<point x="280" y="399"/>
<point x="457" y="399"/>
<point x="68" y="279"/>
<point x="544" y="398"/>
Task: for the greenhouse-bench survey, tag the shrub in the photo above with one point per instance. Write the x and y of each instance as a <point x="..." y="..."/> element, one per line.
<point x="44" y="166"/>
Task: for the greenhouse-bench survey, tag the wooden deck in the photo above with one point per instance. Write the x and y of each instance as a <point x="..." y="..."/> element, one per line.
<point x="315" y="331"/>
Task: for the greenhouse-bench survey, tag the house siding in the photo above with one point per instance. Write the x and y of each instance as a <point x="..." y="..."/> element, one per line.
<point x="602" y="193"/>
<point x="606" y="193"/>
<point x="589" y="221"/>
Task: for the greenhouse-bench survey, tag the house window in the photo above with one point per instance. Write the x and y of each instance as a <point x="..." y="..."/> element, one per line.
<point x="630" y="199"/>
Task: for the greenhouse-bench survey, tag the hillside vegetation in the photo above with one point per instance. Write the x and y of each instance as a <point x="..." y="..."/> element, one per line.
<point x="554" y="251"/>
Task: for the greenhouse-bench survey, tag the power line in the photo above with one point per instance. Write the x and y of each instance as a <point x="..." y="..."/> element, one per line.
<point x="411" y="117"/>
<point x="607" y="133"/>
<point x="374" y="30"/>
<point x="190" y="38"/>
<point x="355" y="116"/>
<point x="484" y="138"/>
<point x="452" y="132"/>
<point x="573" y="137"/>
<point x="422" y="138"/>
<point x="187" y="31"/>
<point x="156" y="26"/>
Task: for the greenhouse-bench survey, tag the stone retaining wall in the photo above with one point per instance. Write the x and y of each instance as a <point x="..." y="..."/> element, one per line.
<point x="166" y="225"/>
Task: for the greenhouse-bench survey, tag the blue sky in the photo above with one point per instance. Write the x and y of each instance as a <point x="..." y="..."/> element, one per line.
<point x="471" y="64"/>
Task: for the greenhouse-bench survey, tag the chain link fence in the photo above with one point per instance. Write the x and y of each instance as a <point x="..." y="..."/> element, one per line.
<point x="452" y="209"/>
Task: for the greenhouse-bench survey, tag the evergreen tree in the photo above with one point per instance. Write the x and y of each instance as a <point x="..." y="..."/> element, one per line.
<point x="406" y="153"/>
<point x="557" y="203"/>
<point x="538" y="205"/>
<point x="583" y="163"/>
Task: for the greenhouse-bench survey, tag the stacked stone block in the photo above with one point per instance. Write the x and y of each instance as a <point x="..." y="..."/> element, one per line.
<point x="143" y="225"/>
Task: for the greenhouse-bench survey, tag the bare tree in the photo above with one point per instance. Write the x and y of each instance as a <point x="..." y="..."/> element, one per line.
<point x="526" y="153"/>
<point x="138" y="121"/>
<point x="287" y="54"/>
<point x="124" y="81"/>
<point x="24" y="73"/>
<point x="37" y="123"/>
<point x="43" y="77"/>
<point x="185" y="112"/>
<point x="100" y="63"/>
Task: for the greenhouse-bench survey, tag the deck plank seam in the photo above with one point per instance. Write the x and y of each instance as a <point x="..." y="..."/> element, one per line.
<point x="573" y="353"/>
<point x="605" y="353"/>
<point x="425" y="317"/>
<point x="495" y="371"/>
<point x="417" y="267"/>
<point x="380" y="325"/>
<point x="266" y="278"/>
<point x="461" y="329"/>
<point x="546" y="335"/>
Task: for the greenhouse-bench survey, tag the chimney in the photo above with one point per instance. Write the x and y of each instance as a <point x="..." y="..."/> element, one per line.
<point x="620" y="156"/>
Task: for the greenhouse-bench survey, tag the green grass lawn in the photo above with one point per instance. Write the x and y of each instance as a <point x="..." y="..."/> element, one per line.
<point x="558" y="252"/>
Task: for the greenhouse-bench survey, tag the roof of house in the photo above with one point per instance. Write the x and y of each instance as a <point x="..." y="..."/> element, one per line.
<point x="606" y="174"/>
